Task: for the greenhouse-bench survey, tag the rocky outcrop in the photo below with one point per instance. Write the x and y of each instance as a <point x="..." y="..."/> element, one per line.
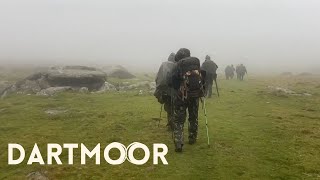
<point x="58" y="79"/>
<point x="77" y="76"/>
<point x="118" y="72"/>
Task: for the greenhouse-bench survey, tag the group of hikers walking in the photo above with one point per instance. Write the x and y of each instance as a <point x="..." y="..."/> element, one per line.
<point x="240" y="70"/>
<point x="180" y="83"/>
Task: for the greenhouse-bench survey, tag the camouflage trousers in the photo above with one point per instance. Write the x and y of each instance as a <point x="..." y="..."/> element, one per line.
<point x="180" y="114"/>
<point x="241" y="76"/>
<point x="208" y="89"/>
<point x="168" y="107"/>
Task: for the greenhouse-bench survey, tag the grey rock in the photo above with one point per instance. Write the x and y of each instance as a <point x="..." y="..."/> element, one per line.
<point x="77" y="76"/>
<point x="118" y="72"/>
<point x="306" y="94"/>
<point x="152" y="85"/>
<point x="53" y="112"/>
<point x="84" y="90"/>
<point x="107" y="87"/>
<point x="37" y="176"/>
<point x="56" y="79"/>
<point x="4" y="95"/>
<point x="30" y="86"/>
<point x="53" y="90"/>
<point x="280" y="91"/>
<point x="142" y="85"/>
<point x="4" y="85"/>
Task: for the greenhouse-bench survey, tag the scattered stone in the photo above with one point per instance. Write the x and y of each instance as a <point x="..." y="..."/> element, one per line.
<point x="107" y="87"/>
<point x="306" y="94"/>
<point x="141" y="85"/>
<point x="84" y="90"/>
<point x="75" y="77"/>
<point x="4" y="95"/>
<point x="53" y="90"/>
<point x="54" y="112"/>
<point x="118" y="72"/>
<point x="279" y="91"/>
<point x="4" y="86"/>
<point x="30" y="86"/>
<point x="152" y="85"/>
<point x="37" y="176"/>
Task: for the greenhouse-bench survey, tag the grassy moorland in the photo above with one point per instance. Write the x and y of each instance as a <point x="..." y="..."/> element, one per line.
<point x="254" y="134"/>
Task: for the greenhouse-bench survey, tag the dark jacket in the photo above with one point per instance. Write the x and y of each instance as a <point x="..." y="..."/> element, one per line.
<point x="211" y="69"/>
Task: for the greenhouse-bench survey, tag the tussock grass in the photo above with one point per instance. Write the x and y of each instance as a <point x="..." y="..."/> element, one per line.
<point x="254" y="135"/>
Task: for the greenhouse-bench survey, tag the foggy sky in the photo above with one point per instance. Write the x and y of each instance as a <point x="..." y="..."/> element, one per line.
<point x="142" y="33"/>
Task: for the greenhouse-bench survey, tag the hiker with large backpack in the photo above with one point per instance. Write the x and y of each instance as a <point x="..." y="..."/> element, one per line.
<point x="163" y="92"/>
<point x="211" y="74"/>
<point x="188" y="82"/>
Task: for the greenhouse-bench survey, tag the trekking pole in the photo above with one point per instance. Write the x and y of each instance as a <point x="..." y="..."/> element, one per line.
<point x="217" y="88"/>
<point x="172" y="114"/>
<point x="206" y="118"/>
<point x="160" y="114"/>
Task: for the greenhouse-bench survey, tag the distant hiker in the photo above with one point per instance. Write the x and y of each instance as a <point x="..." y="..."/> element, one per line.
<point x="211" y="74"/>
<point x="188" y="81"/>
<point x="242" y="71"/>
<point x="232" y="71"/>
<point x="229" y="72"/>
<point x="163" y="92"/>
<point x="238" y="71"/>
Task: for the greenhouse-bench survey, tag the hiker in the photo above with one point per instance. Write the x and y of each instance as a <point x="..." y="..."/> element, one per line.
<point x="163" y="92"/>
<point x="188" y="81"/>
<point x="211" y="74"/>
<point x="238" y="71"/>
<point x="242" y="71"/>
<point x="232" y="71"/>
<point x="227" y="72"/>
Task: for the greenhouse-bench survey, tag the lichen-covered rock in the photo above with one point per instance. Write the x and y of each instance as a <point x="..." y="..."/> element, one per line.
<point x="108" y="87"/>
<point x="4" y="86"/>
<point x="53" y="90"/>
<point x="84" y="90"/>
<point x="118" y="72"/>
<point x="77" y="76"/>
<point x="58" y="79"/>
<point x="37" y="176"/>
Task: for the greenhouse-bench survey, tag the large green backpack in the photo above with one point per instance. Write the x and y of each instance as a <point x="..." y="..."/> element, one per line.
<point x="192" y="84"/>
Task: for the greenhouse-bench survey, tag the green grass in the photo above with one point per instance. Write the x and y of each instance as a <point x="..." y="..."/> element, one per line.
<point x="254" y="134"/>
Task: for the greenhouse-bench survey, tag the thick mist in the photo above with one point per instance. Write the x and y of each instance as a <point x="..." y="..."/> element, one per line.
<point x="273" y="35"/>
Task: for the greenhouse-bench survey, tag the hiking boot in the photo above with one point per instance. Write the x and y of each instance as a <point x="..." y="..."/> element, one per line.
<point x="192" y="140"/>
<point x="178" y="147"/>
<point x="192" y="137"/>
<point x="170" y="126"/>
